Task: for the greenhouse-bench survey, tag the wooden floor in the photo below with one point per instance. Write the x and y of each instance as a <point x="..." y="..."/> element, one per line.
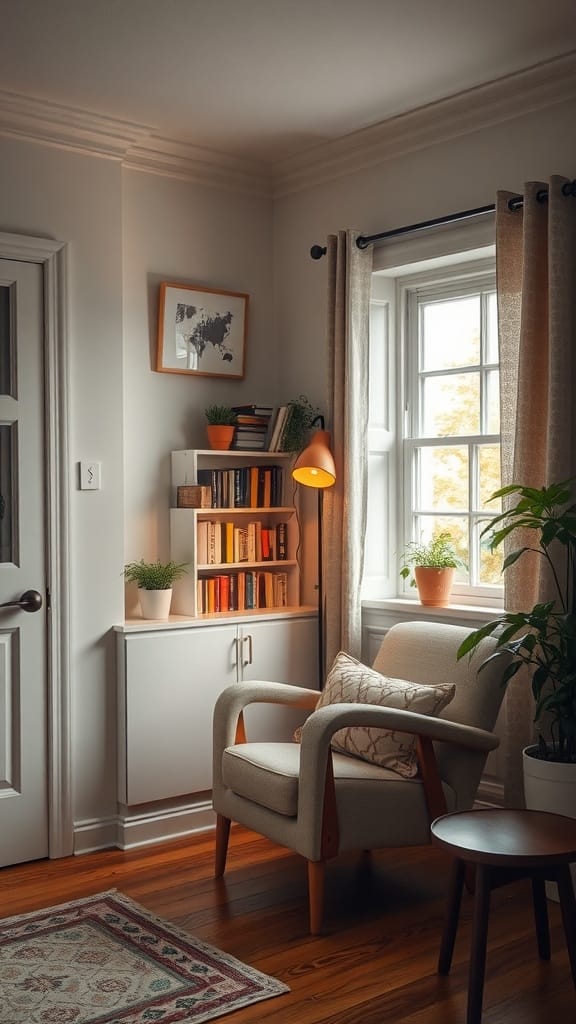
<point x="376" y="961"/>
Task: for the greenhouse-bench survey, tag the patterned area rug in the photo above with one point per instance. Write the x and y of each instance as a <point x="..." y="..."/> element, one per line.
<point x="106" y="960"/>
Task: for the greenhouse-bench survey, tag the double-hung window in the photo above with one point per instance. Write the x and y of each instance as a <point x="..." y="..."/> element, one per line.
<point x="434" y="438"/>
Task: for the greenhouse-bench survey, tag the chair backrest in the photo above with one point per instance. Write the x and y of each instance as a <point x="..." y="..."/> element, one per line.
<point x="425" y="652"/>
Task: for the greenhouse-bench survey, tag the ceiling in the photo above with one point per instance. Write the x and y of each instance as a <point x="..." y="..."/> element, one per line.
<point x="266" y="80"/>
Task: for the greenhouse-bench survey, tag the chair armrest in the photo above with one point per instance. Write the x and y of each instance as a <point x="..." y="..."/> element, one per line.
<point x="315" y="754"/>
<point x="323" y="723"/>
<point x="235" y="698"/>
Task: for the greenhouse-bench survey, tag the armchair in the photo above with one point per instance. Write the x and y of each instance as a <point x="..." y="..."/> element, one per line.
<point x="320" y="802"/>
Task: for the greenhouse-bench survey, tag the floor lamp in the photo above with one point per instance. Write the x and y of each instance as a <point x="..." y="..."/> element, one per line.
<point x="315" y="467"/>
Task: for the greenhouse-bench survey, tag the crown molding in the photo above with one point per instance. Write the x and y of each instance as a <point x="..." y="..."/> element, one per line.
<point x="67" y="127"/>
<point x="139" y="148"/>
<point x="135" y="145"/>
<point x="183" y="160"/>
<point x="536" y="88"/>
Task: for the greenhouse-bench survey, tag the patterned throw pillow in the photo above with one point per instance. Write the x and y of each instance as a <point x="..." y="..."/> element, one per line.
<point x="351" y="682"/>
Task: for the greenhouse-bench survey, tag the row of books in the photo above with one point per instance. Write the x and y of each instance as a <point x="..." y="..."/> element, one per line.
<point x="244" y="486"/>
<point x="219" y="543"/>
<point x="252" y="427"/>
<point x="261" y="428"/>
<point x="241" y="591"/>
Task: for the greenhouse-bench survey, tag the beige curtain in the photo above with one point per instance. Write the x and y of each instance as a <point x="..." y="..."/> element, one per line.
<point x="536" y="282"/>
<point x="349" y="282"/>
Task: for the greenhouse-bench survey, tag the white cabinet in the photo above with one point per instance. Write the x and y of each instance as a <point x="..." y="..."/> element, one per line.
<point x="168" y="682"/>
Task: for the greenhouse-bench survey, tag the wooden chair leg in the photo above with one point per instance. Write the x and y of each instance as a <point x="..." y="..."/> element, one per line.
<point x="222" y="837"/>
<point x="316" y="874"/>
<point x="541" y="918"/>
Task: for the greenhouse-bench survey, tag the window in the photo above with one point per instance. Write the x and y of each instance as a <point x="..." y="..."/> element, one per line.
<point x="434" y="442"/>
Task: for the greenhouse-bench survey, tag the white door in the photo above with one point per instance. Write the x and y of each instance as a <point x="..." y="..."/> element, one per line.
<point x="23" y="662"/>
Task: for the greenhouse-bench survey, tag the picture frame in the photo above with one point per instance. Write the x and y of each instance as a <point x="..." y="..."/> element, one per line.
<point x="201" y="331"/>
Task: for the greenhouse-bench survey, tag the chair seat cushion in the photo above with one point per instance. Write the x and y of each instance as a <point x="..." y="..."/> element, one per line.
<point x="351" y="682"/>
<point x="267" y="773"/>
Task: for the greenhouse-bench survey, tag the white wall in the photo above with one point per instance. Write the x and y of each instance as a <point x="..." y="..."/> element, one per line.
<point x="174" y="231"/>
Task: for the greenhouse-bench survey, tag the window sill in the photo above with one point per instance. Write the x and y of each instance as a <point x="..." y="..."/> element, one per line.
<point x="405" y="608"/>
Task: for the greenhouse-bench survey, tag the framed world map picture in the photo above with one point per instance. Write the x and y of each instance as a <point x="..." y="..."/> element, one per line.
<point x="201" y="331"/>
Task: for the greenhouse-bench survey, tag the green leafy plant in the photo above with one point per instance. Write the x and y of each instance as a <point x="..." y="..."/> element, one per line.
<point x="220" y="415"/>
<point x="154" y="575"/>
<point x="439" y="553"/>
<point x="301" y="414"/>
<point x="544" y="638"/>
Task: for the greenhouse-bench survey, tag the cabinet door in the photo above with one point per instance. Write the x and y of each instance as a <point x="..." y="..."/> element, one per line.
<point x="284" y="651"/>
<point x="171" y="682"/>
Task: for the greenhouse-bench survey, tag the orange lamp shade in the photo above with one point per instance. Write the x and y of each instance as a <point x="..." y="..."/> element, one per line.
<point x="315" y="467"/>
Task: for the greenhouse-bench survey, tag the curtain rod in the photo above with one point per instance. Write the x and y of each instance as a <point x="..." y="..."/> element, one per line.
<point x="516" y="203"/>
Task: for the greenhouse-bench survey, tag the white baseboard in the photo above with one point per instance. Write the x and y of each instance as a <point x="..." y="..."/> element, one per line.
<point x="490" y="794"/>
<point x="131" y="829"/>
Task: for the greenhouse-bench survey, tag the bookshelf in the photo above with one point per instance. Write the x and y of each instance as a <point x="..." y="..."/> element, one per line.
<point x="242" y="550"/>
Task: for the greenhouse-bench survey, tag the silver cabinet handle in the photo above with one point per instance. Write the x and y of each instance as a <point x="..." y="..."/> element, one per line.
<point x="248" y="640"/>
<point x="31" y="601"/>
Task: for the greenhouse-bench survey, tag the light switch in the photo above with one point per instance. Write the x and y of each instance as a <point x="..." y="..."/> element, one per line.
<point x="90" y="476"/>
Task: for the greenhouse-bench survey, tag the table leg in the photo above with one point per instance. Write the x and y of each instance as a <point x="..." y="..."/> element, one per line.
<point x="478" y="950"/>
<point x="541" y="918"/>
<point x="568" y="907"/>
<point x="457" y="873"/>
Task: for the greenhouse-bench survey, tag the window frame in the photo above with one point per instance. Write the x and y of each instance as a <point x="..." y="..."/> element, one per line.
<point x="458" y="273"/>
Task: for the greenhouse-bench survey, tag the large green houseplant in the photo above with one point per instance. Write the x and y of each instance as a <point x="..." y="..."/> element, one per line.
<point x="544" y="638"/>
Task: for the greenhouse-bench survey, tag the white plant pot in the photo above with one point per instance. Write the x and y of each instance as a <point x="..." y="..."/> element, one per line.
<point x="550" y="786"/>
<point x="155" y="604"/>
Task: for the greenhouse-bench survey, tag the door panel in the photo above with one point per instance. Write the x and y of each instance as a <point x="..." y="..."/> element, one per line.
<point x="23" y="729"/>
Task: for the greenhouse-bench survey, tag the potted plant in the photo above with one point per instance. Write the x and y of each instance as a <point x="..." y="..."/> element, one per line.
<point x="154" y="581"/>
<point x="431" y="567"/>
<point x="221" y="422"/>
<point x="300" y="416"/>
<point x="543" y="639"/>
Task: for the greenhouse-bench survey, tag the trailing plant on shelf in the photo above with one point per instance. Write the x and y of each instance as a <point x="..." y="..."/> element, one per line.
<point x="154" y="575"/>
<point x="544" y="638"/>
<point x="220" y="416"/>
<point x="299" y="419"/>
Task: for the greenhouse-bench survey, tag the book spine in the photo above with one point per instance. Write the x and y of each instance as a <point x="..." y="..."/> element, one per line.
<point x="282" y="541"/>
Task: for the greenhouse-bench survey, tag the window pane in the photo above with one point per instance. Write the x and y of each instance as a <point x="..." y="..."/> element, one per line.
<point x="451" y="333"/>
<point x="493" y="402"/>
<point x="490" y="481"/>
<point x="451" y="405"/>
<point x="443" y="478"/>
<point x="490" y="561"/>
<point x="492" y="355"/>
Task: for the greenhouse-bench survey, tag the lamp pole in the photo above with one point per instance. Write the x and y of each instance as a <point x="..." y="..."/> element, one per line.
<point x="315" y="467"/>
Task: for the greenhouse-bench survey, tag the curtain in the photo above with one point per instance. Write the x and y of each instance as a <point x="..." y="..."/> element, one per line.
<point x="536" y="283"/>
<point x="349" y="283"/>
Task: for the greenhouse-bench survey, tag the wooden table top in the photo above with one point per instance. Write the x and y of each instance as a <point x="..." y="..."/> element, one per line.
<point x="513" y="838"/>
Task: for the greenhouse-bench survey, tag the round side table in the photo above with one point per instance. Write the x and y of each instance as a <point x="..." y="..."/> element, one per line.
<point x="503" y="845"/>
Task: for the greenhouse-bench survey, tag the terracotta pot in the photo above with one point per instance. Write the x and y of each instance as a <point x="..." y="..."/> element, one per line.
<point x="220" y="437"/>
<point x="434" y="585"/>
